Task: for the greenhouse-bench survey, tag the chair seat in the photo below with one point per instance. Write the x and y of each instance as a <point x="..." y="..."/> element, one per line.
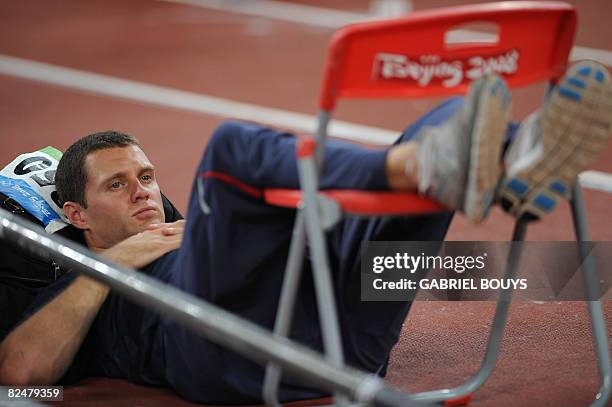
<point x="357" y="202"/>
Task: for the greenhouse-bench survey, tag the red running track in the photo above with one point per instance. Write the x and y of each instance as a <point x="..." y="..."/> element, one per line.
<point x="547" y="358"/>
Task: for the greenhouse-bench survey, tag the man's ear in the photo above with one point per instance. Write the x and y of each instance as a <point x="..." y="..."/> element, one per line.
<point x="76" y="215"/>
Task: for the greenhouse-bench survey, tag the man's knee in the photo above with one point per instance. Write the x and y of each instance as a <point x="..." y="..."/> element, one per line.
<point x="229" y="131"/>
<point x="223" y="146"/>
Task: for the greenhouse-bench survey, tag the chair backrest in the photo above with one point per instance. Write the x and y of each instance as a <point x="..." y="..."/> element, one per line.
<point x="412" y="56"/>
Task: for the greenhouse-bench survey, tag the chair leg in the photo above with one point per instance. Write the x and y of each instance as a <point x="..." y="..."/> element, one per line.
<point x="496" y="334"/>
<point x="598" y="324"/>
<point x="284" y="315"/>
<point x="325" y="295"/>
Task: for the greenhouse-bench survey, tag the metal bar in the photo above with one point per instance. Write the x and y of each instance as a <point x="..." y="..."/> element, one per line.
<point x="328" y="315"/>
<point x="323" y="120"/>
<point x="284" y="315"/>
<point x="218" y="325"/>
<point x="495" y="335"/>
<point x="598" y="323"/>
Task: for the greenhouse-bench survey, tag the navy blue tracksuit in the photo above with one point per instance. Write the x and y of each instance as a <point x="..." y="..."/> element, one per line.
<point x="235" y="257"/>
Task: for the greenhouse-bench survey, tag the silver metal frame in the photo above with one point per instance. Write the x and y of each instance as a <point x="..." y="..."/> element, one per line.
<point x="309" y="227"/>
<point x="314" y="232"/>
<point x="495" y="335"/>
<point x="293" y="273"/>
<point x="598" y="322"/>
<point x="218" y="325"/>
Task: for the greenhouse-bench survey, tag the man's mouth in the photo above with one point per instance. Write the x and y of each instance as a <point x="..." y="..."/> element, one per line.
<point x="145" y="212"/>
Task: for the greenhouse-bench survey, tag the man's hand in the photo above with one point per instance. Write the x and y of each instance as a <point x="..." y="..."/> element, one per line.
<point x="40" y="349"/>
<point x="143" y="248"/>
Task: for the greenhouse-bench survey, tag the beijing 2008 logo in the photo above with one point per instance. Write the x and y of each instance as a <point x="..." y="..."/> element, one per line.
<point x="428" y="68"/>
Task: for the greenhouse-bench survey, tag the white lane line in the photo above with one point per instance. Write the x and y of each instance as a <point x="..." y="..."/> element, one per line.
<point x="279" y="10"/>
<point x="600" y="181"/>
<point x="183" y="100"/>
<point x="330" y="18"/>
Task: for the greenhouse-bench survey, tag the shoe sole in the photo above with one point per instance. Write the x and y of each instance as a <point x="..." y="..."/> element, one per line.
<point x="575" y="126"/>
<point x="490" y="123"/>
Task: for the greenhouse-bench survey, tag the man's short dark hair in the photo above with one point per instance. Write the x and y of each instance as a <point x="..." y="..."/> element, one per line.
<point x="71" y="176"/>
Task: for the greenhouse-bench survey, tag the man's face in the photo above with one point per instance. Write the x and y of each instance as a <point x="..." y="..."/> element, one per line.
<point x="122" y="195"/>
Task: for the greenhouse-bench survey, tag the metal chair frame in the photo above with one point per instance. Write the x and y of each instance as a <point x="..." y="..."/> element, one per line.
<point x="351" y="72"/>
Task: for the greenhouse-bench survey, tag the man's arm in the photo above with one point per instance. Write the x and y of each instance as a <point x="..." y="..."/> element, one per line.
<point x="40" y="350"/>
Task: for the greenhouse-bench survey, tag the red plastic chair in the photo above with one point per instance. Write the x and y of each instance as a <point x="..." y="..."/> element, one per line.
<point x="377" y="60"/>
<point x="410" y="57"/>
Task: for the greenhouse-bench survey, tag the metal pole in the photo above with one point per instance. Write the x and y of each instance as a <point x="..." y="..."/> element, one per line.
<point x="598" y="322"/>
<point x="323" y="120"/>
<point x="218" y="325"/>
<point x="286" y="304"/>
<point x="328" y="315"/>
<point x="496" y="333"/>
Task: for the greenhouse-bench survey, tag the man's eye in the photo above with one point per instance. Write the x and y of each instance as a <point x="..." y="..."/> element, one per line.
<point x="115" y="185"/>
<point x="147" y="178"/>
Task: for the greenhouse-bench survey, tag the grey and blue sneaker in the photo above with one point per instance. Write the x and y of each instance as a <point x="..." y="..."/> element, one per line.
<point x="554" y="145"/>
<point x="459" y="162"/>
<point x="489" y="125"/>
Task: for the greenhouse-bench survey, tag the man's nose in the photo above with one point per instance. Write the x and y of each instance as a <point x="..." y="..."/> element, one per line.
<point x="140" y="192"/>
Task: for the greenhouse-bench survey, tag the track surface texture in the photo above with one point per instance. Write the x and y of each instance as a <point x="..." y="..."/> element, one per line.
<point x="547" y="354"/>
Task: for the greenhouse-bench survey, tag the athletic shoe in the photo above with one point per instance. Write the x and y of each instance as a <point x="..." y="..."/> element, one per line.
<point x="554" y="145"/>
<point x="459" y="161"/>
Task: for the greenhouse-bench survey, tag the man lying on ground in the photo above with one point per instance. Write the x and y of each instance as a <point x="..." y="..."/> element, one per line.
<point x="233" y="253"/>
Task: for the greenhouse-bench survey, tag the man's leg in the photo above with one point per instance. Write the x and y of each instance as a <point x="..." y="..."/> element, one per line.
<point x="370" y="329"/>
<point x="235" y="247"/>
<point x="546" y="153"/>
<point x="227" y="210"/>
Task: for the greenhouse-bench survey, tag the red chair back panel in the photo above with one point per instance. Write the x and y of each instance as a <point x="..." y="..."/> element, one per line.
<point x="410" y="56"/>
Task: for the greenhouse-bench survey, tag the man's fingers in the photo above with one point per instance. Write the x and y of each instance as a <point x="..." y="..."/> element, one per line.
<point x="179" y="224"/>
<point x="168" y="229"/>
<point x="171" y="243"/>
<point x="171" y="231"/>
<point x="173" y="237"/>
<point x="154" y="226"/>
